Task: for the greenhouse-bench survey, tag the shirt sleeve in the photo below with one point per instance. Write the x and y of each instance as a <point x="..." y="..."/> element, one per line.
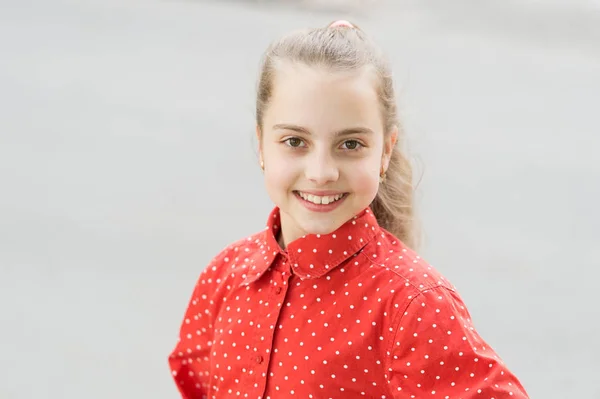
<point x="437" y="353"/>
<point x="190" y="359"/>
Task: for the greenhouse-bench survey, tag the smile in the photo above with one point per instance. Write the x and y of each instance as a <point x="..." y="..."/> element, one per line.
<point x="320" y="200"/>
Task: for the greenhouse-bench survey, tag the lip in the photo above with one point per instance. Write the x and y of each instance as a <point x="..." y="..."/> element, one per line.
<point x="320" y="193"/>
<point x="322" y="208"/>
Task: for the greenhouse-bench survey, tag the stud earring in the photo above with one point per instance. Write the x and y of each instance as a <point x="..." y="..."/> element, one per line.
<point x="382" y="175"/>
<point x="262" y="164"/>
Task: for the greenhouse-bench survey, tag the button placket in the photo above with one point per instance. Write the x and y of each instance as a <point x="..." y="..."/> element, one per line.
<point x="280" y="276"/>
<point x="265" y="315"/>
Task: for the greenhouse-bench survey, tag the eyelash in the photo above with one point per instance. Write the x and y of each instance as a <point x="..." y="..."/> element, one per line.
<point x="359" y="145"/>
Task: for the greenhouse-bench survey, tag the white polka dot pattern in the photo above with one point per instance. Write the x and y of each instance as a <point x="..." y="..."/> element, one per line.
<point x="436" y="351"/>
<point x="349" y="314"/>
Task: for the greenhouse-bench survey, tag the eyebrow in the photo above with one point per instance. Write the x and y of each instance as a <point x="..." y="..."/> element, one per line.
<point x="343" y="132"/>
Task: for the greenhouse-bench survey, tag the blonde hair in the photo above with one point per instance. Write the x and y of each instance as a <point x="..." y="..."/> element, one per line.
<point x="347" y="48"/>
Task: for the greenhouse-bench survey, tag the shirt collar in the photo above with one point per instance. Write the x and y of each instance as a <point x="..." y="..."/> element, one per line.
<point x="314" y="255"/>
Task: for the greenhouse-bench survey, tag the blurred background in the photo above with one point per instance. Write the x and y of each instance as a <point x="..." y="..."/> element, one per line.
<point x="127" y="161"/>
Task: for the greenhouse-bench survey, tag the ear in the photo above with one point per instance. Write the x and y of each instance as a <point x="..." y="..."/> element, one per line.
<point x="389" y="142"/>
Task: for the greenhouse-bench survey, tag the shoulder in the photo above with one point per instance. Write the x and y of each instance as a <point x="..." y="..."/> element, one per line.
<point x="437" y="337"/>
<point x="235" y="257"/>
<point x="404" y="264"/>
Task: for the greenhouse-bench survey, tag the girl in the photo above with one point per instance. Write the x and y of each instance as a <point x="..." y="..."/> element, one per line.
<point x="330" y="300"/>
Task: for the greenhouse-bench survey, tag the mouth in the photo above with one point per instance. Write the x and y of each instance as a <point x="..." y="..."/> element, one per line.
<point x="321" y="199"/>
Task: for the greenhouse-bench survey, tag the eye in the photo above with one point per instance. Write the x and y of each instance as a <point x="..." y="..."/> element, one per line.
<point x="294" y="142"/>
<point x="351" y="145"/>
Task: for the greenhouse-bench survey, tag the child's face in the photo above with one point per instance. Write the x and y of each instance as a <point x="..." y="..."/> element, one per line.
<point x="322" y="136"/>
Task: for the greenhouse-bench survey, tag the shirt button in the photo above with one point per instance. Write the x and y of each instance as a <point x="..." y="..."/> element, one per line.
<point x="259" y="359"/>
<point x="278" y="290"/>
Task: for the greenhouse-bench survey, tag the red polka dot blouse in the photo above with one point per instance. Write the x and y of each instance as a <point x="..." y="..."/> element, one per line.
<point x="350" y="314"/>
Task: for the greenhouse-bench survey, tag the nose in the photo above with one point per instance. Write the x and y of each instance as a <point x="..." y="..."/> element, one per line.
<point x="321" y="168"/>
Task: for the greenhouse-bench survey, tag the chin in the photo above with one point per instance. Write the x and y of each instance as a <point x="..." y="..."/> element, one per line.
<point x="321" y="229"/>
<point x="323" y="224"/>
<point x="304" y="221"/>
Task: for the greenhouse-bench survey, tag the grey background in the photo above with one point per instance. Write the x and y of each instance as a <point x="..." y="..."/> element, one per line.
<point x="127" y="161"/>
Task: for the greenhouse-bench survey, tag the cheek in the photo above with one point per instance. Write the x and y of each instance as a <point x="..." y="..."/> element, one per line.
<point x="280" y="172"/>
<point x="278" y="178"/>
<point x="365" y="181"/>
<point x="364" y="175"/>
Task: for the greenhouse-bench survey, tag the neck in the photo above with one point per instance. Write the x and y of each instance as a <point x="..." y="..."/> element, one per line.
<point x="288" y="231"/>
<point x="280" y="240"/>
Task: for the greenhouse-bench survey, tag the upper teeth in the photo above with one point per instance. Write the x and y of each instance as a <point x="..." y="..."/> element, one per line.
<point x="327" y="199"/>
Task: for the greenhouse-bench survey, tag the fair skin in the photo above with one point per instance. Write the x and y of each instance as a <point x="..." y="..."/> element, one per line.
<point x="323" y="147"/>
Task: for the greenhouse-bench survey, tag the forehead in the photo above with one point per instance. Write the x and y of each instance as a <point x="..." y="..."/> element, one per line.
<point x="324" y="100"/>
